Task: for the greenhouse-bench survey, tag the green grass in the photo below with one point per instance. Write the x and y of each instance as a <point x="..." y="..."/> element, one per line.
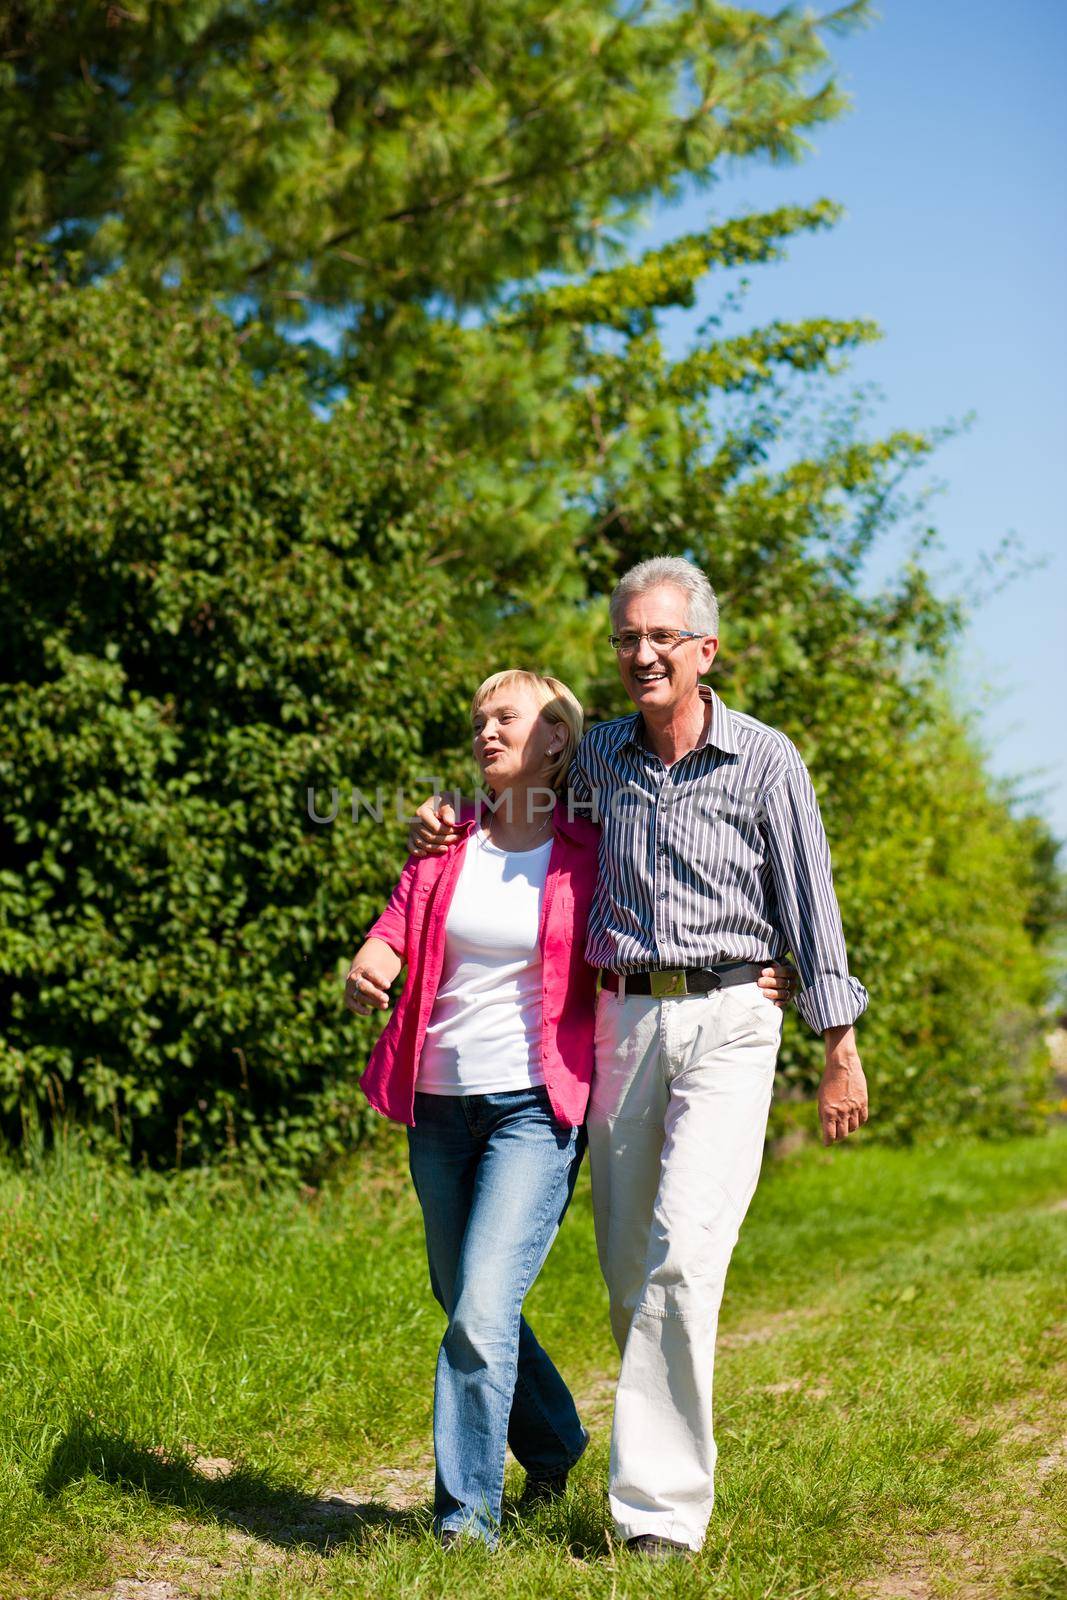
<point x="890" y="1393"/>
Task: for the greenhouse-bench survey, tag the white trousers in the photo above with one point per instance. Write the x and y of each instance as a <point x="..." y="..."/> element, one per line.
<point x="677" y="1120"/>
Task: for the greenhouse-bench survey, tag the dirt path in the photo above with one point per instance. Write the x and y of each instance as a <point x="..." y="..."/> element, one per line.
<point x="977" y="1562"/>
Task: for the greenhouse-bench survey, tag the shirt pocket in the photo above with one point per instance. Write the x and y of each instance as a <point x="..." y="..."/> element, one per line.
<point x="417" y="905"/>
<point x="562" y="914"/>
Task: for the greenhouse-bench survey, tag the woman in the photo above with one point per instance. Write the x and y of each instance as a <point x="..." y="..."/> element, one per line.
<point x="488" y="1059"/>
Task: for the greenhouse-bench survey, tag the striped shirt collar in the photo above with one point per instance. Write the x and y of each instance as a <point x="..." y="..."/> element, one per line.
<point x="719" y="731"/>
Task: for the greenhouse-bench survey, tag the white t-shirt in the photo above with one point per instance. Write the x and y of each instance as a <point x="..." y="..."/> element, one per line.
<point x="484" y="1033"/>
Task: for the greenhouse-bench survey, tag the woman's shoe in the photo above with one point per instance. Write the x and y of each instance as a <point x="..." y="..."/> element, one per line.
<point x="542" y="1491"/>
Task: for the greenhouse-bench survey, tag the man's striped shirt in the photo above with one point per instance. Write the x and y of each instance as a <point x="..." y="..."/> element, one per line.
<point x="720" y="857"/>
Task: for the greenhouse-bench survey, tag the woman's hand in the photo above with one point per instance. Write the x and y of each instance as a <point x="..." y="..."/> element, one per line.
<point x="373" y="969"/>
<point x="779" y="983"/>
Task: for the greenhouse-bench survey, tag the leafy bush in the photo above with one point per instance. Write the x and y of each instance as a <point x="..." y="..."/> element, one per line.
<point x="210" y="600"/>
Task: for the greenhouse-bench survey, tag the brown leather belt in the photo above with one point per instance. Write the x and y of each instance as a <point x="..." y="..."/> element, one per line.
<point x="670" y="981"/>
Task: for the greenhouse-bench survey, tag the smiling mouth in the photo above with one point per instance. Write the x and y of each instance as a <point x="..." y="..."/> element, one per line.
<point x="650" y="677"/>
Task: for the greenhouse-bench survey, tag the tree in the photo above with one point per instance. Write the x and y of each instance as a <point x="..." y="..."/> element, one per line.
<point x="359" y="155"/>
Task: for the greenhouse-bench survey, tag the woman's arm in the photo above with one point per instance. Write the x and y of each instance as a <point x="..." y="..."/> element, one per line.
<point x="374" y="966"/>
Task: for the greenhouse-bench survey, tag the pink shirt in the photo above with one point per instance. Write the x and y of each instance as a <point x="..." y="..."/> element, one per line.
<point x="413" y="924"/>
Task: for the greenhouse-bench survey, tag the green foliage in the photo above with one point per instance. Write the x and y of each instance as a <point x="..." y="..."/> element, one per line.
<point x="371" y="155"/>
<point x="213" y="598"/>
<point x="936" y="878"/>
<point x="209" y="601"/>
<point x="668" y="276"/>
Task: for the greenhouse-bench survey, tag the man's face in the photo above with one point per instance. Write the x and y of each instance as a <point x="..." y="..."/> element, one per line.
<point x="658" y="681"/>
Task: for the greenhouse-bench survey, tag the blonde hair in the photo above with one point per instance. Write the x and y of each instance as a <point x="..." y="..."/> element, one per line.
<point x="558" y="705"/>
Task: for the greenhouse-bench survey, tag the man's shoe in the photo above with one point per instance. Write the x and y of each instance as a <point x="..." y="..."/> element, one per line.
<point x="542" y="1491"/>
<point x="542" y="1488"/>
<point x="653" y="1548"/>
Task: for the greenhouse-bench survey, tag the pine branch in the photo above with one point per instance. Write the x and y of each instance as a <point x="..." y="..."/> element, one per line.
<point x="742" y="365"/>
<point x="667" y="276"/>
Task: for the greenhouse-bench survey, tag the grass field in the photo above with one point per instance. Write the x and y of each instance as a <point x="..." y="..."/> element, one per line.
<point x="206" y="1390"/>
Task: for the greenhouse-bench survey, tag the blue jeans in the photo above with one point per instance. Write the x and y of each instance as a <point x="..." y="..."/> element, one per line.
<point x="494" y="1175"/>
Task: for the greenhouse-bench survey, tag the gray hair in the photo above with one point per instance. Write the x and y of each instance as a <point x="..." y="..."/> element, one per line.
<point x="701" y="609"/>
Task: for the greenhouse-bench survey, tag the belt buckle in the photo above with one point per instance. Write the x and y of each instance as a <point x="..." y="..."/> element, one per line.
<point x="669" y="981"/>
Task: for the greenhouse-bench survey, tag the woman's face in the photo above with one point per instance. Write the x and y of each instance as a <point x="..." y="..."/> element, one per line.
<point x="513" y="741"/>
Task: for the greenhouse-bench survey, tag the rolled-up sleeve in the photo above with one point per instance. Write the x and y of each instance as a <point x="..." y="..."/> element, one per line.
<point x="806" y="904"/>
<point x="392" y="924"/>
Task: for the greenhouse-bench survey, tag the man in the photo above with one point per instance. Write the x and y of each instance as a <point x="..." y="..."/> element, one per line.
<point x="713" y="862"/>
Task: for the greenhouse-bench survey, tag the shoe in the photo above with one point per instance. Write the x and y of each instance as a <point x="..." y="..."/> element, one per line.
<point x="452" y="1538"/>
<point x="542" y="1491"/>
<point x="653" y="1548"/>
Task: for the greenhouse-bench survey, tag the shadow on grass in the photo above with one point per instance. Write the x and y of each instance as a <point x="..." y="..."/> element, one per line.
<point x="578" y="1523"/>
<point x="276" y="1513"/>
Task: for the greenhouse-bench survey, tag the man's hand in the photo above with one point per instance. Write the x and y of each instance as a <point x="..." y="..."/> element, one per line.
<point x="843" y="1089"/>
<point x="433" y="830"/>
<point x="779" y="983"/>
<point x="373" y="969"/>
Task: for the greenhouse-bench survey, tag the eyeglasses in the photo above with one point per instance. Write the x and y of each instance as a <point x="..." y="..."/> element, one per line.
<point x="662" y="640"/>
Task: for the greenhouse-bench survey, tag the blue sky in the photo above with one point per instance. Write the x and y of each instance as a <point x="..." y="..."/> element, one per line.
<point x="951" y="166"/>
